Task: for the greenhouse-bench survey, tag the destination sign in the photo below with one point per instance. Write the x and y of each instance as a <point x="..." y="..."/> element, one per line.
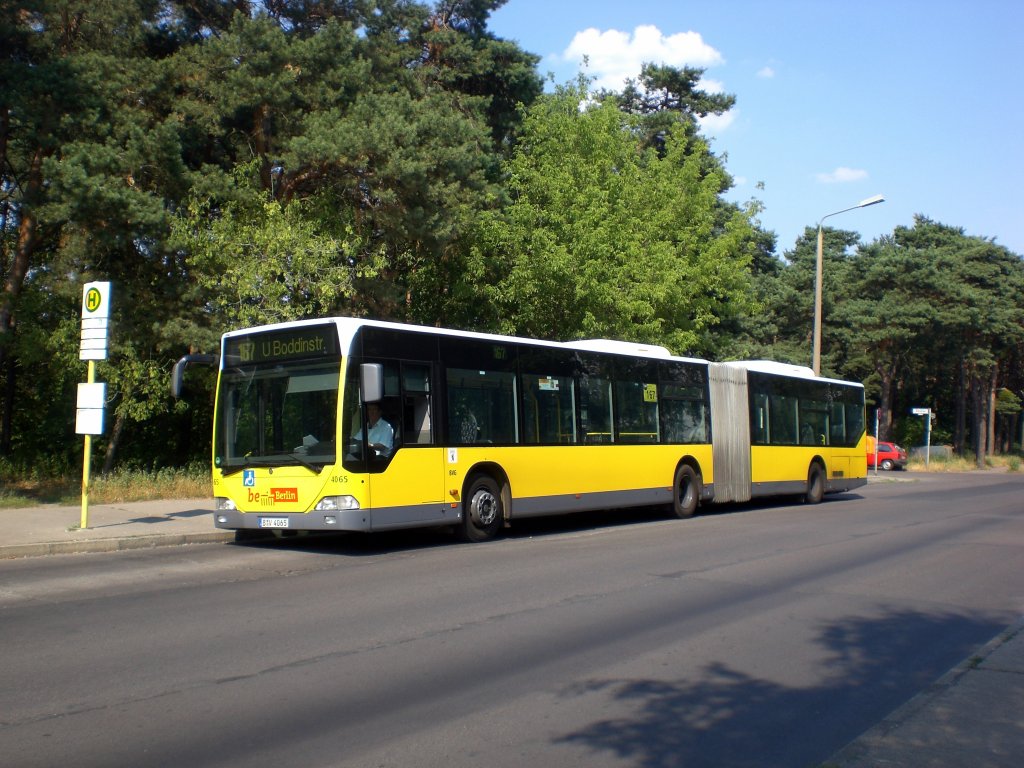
<point x="310" y="342"/>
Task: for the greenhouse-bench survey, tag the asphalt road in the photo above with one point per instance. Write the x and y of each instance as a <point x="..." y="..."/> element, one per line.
<point x="750" y="636"/>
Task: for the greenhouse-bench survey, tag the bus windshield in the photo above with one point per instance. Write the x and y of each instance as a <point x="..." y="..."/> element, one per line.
<point x="278" y="399"/>
<point x="278" y="415"/>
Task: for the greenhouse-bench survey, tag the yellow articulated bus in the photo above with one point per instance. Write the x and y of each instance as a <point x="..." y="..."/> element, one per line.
<point x="356" y="425"/>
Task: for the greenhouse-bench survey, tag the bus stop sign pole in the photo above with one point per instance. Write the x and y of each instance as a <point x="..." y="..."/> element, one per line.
<point x="927" y="413"/>
<point x="92" y="396"/>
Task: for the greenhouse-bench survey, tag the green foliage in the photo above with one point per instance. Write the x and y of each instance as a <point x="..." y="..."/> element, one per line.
<point x="263" y="262"/>
<point x="394" y="127"/>
<point x="926" y="317"/>
<point x="606" y="238"/>
<point x="228" y="164"/>
<point x="224" y="164"/>
<point x="1007" y="402"/>
<point x="666" y="99"/>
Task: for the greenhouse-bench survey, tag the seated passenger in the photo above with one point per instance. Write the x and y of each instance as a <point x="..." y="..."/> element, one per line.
<point x="467" y="429"/>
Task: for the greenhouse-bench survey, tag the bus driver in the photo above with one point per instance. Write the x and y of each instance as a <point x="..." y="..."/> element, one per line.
<point x="381" y="436"/>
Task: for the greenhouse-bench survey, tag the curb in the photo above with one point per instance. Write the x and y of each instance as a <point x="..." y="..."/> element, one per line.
<point x="854" y="753"/>
<point x="124" y="543"/>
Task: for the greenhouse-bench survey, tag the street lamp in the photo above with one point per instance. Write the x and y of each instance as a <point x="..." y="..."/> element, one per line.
<point x="817" y="279"/>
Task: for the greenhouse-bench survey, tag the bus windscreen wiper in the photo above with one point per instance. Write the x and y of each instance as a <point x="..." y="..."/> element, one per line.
<point x="306" y="463"/>
<point x="271" y="461"/>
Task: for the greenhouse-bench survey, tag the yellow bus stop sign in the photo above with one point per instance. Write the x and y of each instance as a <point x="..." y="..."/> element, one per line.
<point x="96" y="301"/>
<point x="93" y="299"/>
<point x="95" y="318"/>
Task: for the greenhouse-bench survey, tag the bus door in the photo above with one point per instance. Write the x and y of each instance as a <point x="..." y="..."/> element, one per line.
<point x="408" y="485"/>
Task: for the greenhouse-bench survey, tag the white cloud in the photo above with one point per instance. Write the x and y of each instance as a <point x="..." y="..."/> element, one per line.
<point x="712" y="125"/>
<point x="842" y="175"/>
<point x="613" y="56"/>
<point x="712" y="86"/>
<point x="766" y="73"/>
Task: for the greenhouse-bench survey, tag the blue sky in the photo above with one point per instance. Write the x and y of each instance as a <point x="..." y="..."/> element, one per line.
<point x="836" y="101"/>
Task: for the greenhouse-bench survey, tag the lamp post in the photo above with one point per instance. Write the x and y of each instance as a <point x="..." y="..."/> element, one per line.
<point x="816" y="365"/>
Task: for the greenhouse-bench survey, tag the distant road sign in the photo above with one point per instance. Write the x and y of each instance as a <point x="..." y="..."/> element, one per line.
<point x="920" y="411"/>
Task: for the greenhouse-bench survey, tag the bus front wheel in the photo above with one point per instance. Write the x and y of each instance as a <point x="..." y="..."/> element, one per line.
<point x="685" y="492"/>
<point x="482" y="512"/>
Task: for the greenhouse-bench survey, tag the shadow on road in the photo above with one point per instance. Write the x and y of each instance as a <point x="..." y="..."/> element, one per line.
<point x="728" y="717"/>
<point x="365" y="544"/>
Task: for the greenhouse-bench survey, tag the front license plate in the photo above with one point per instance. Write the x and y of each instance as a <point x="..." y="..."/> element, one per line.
<point x="273" y="522"/>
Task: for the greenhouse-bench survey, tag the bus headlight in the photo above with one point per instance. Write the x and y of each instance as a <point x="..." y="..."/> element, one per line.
<point x="336" y="503"/>
<point x="224" y="503"/>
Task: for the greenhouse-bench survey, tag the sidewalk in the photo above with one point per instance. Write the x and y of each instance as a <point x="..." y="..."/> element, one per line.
<point x="53" y="530"/>
<point x="973" y="716"/>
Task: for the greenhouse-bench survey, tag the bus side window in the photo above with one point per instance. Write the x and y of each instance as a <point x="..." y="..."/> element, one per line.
<point x="636" y="412"/>
<point x="782" y="424"/>
<point x="684" y="419"/>
<point x="482" y="407"/>
<point x="814" y="429"/>
<point x="548" y="409"/>
<point x="596" y="409"/>
<point x="837" y="423"/>
<point x="854" y="420"/>
<point x="416" y="406"/>
<point x="760" y="433"/>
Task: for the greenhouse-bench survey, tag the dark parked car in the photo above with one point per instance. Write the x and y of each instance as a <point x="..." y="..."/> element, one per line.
<point x="890" y="456"/>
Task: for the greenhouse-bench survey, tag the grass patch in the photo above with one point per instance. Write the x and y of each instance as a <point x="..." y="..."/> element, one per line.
<point x="968" y="463"/>
<point x="943" y="464"/>
<point x="25" y="489"/>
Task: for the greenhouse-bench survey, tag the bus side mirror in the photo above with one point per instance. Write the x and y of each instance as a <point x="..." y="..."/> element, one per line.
<point x="178" y="374"/>
<point x="371" y="382"/>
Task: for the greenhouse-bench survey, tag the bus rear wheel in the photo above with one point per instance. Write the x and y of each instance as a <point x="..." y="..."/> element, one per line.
<point x="482" y="510"/>
<point x="815" y="484"/>
<point x="685" y="492"/>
